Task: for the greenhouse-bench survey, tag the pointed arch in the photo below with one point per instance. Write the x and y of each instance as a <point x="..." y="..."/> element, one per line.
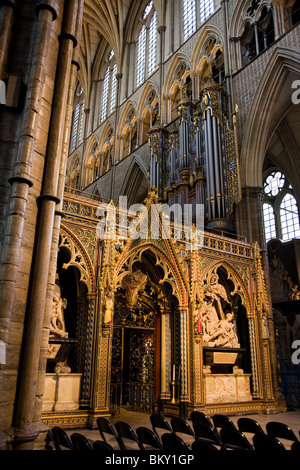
<point x="135" y="185"/>
<point x="240" y="287"/>
<point x="271" y="102"/>
<point x="208" y="32"/>
<point x="167" y="262"/>
<point x="79" y="257"/>
<point x="88" y="164"/>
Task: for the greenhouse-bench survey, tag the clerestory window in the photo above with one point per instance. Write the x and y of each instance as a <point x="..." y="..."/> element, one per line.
<point x="280" y="208"/>
<point x="146" y="58"/>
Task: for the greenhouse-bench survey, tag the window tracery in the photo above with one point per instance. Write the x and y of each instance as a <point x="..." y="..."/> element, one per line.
<point x="280" y="208"/>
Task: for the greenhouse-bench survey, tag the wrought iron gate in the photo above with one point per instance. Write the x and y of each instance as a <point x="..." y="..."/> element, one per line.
<point x="133" y="362"/>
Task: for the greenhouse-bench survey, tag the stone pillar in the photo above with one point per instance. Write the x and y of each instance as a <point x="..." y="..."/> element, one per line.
<point x="7" y="13"/>
<point x="57" y="221"/>
<point x="25" y="399"/>
<point x="21" y="181"/>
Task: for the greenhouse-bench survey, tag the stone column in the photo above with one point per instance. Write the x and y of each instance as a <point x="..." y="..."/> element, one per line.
<point x="20" y="182"/>
<point x="25" y="399"/>
<point x="57" y="221"/>
<point x="7" y="13"/>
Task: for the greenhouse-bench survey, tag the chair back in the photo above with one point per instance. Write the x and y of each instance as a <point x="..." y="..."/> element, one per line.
<point x="63" y="442"/>
<point x="281" y="430"/>
<point x="249" y="425"/>
<point x="102" y="446"/>
<point x="125" y="431"/>
<point x="148" y="438"/>
<point x="267" y="443"/>
<point x="202" y="418"/>
<point x="80" y="442"/>
<point x="201" y="447"/>
<point x="159" y="421"/>
<point x="173" y="444"/>
<point x="180" y="425"/>
<point x="106" y="427"/>
<point x="234" y="439"/>
<point x="207" y="433"/>
<point x="222" y="421"/>
<point x="50" y="443"/>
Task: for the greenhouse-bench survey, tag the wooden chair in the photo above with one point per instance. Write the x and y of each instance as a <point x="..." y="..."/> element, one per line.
<point x="81" y="442"/>
<point x="200" y="447"/>
<point x="102" y="446"/>
<point x="222" y="421"/>
<point x="106" y="427"/>
<point x="281" y="431"/>
<point x="148" y="439"/>
<point x="159" y="422"/>
<point x="234" y="439"/>
<point x="201" y="418"/>
<point x="126" y="433"/>
<point x="173" y="444"/>
<point x="61" y="438"/>
<point x="266" y="443"/>
<point x="207" y="434"/>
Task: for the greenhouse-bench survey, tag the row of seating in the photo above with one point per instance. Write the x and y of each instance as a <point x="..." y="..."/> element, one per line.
<point x="178" y="435"/>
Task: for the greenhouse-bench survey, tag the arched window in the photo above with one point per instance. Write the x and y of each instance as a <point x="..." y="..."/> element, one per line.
<point x="146" y="58"/>
<point x="207" y="8"/>
<point x="259" y="31"/>
<point x="289" y="218"/>
<point x="78" y="119"/>
<point x="109" y="88"/>
<point x="280" y="208"/>
<point x="189" y="18"/>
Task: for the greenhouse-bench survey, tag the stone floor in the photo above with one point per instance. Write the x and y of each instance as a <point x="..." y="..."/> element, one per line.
<point x="292" y="418"/>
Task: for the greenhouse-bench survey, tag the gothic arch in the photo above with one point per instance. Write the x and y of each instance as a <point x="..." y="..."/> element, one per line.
<point x="239" y="285"/>
<point x="147" y="89"/>
<point x="207" y="33"/>
<point x="240" y="17"/>
<point x="133" y="182"/>
<point x="271" y="102"/>
<point x="172" y="273"/>
<point x="79" y="258"/>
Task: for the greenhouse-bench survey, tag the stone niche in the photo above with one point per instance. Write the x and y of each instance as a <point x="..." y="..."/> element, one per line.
<point x="226" y="388"/>
<point x="62" y="392"/>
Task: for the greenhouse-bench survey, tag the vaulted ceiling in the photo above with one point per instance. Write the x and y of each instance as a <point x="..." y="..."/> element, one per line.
<point x="107" y="25"/>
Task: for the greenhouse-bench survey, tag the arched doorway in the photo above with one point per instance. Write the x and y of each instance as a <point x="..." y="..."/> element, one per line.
<point x="144" y="346"/>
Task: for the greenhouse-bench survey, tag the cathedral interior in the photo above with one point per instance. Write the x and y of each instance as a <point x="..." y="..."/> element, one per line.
<point x="149" y="210"/>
